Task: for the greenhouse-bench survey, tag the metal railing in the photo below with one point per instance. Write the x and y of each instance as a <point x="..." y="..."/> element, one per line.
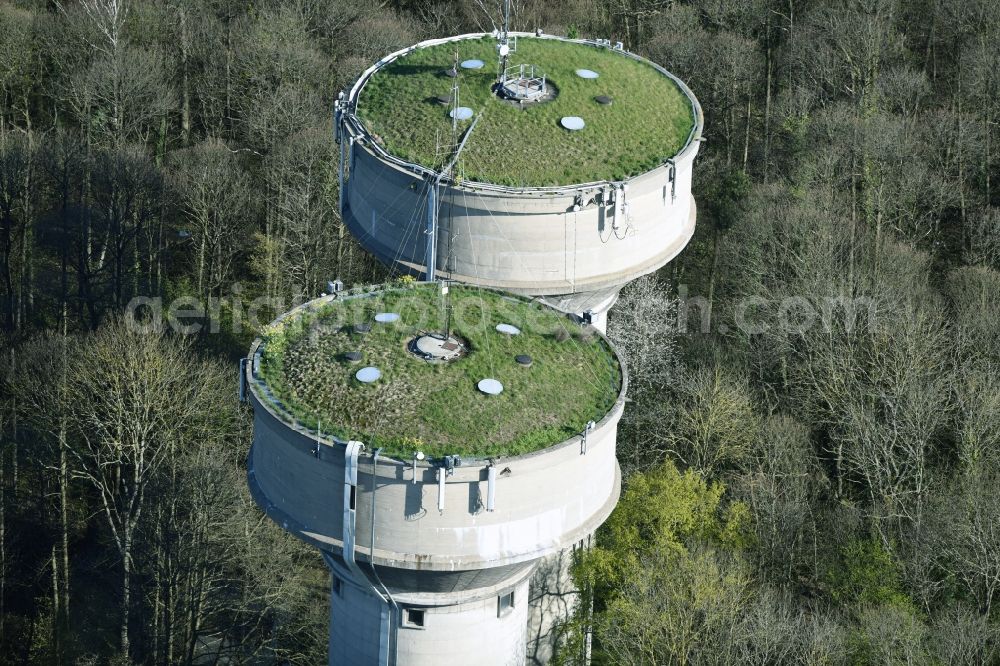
<point x="523" y="82"/>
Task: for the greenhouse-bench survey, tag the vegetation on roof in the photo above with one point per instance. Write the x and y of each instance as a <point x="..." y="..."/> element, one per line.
<point x="648" y="122"/>
<point x="436" y="407"/>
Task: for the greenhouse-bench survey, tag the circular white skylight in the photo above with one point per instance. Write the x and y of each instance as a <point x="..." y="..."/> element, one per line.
<point x="368" y="375"/>
<point x="490" y="387"/>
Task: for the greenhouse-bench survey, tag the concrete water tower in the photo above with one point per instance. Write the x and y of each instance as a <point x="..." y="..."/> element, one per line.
<point x="447" y="467"/>
<point x="567" y="175"/>
<point x="436" y="448"/>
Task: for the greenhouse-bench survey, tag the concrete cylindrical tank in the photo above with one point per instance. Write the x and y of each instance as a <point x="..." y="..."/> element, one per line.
<point x="429" y="557"/>
<point x="575" y="243"/>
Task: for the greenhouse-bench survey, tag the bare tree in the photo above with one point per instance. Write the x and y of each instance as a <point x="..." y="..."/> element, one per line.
<point x="18" y="68"/>
<point x="643" y="325"/>
<point x="16" y="163"/>
<point x="308" y="232"/>
<point x="136" y="397"/>
<point x="126" y="190"/>
<point x="892" y="635"/>
<point x="714" y="425"/>
<point x="123" y="95"/>
<point x="984" y="238"/>
<point x="966" y="538"/>
<point x="217" y="197"/>
<point x="778" y="487"/>
<point x="962" y="637"/>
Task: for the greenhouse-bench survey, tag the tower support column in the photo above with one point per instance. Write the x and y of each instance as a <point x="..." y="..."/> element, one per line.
<point x="365" y="630"/>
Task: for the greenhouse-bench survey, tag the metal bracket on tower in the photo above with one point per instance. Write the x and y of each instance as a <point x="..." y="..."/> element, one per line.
<point x="243" y="380"/>
<point x="621" y="208"/>
<point x="672" y="177"/>
<point x="441" y="477"/>
<point x="583" y="437"/>
<point x="338" y="114"/>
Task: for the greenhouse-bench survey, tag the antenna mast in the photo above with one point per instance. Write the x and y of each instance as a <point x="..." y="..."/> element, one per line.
<point x="454" y="101"/>
<point x="432" y="206"/>
<point x="504" y="46"/>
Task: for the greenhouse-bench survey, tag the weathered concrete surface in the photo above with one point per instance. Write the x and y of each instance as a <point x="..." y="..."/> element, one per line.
<point x="554" y="598"/>
<point x="545" y="501"/>
<point x="469" y="632"/>
<point x="533" y="244"/>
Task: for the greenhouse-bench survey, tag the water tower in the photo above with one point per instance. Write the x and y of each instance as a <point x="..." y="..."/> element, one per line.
<point x="447" y="464"/>
<point x="540" y="165"/>
<point x="436" y="447"/>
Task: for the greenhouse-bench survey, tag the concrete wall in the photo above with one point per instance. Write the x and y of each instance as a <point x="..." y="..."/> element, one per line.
<point x="554" y="598"/>
<point x="526" y="242"/>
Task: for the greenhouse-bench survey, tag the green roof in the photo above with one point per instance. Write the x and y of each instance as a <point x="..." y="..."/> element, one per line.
<point x="648" y="122"/>
<point x="436" y="407"/>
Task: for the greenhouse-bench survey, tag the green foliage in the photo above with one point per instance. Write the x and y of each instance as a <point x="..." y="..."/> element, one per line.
<point x="570" y="382"/>
<point x="666" y="573"/>
<point x="867" y="575"/>
<point x="661" y="512"/>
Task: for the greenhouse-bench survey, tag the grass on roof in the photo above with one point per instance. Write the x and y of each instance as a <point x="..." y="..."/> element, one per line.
<point x="648" y="122"/>
<point x="437" y="408"/>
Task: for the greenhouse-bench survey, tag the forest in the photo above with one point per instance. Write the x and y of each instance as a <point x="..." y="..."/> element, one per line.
<point x="811" y="449"/>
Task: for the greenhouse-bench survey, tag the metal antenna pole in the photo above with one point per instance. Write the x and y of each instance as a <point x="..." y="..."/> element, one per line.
<point x="506" y="20"/>
<point x="430" y="272"/>
<point x="504" y="42"/>
<point x="454" y="103"/>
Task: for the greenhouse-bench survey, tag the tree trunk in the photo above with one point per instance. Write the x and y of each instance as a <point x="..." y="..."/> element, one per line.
<point x="986" y="153"/>
<point x="185" y="84"/>
<point x="716" y="254"/>
<point x="746" y="137"/>
<point x="229" y="69"/>
<point x="64" y="523"/>
<point x="201" y="262"/>
<point x="961" y="165"/>
<point x="767" y="106"/>
<point x="126" y="590"/>
<point x="3" y="534"/>
<point x="57" y="647"/>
